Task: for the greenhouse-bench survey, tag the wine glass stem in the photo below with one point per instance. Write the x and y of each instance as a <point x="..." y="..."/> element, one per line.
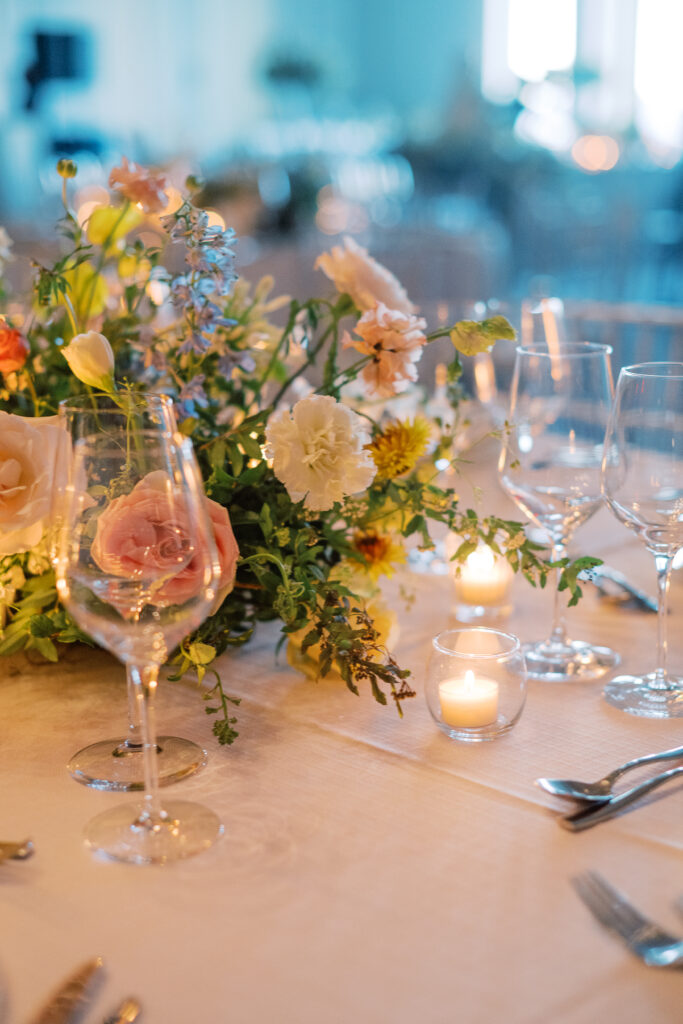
<point x="663" y="565"/>
<point x="145" y="680"/>
<point x="558" y="634"/>
<point x="133" y="733"/>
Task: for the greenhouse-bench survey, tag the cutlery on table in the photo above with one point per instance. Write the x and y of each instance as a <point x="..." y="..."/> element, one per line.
<point x="602" y="789"/>
<point x="613" y="584"/>
<point x="593" y="814"/>
<point x="127" y="1012"/>
<point x="66" y="1004"/>
<point x="612" y="909"/>
<point x="16" y="851"/>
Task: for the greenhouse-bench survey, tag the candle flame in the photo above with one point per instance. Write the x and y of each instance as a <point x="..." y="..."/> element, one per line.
<point x="469" y="679"/>
<point x="481" y="560"/>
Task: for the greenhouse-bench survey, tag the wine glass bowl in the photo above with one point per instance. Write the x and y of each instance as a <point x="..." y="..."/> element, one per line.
<point x="550" y="465"/>
<point x="642" y="481"/>
<point x="116" y="764"/>
<point x="137" y="568"/>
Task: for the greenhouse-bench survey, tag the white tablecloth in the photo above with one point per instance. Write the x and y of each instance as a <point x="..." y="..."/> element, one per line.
<point x="371" y="870"/>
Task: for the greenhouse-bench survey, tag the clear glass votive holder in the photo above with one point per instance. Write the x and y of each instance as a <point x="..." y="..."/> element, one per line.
<point x="482" y="585"/>
<point x="476" y="683"/>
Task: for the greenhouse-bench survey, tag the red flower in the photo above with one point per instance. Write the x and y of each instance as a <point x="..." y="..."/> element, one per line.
<point x="14" y="349"/>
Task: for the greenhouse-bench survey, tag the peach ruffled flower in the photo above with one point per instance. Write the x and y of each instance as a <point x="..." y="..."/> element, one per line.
<point x="367" y="282"/>
<point x="395" y="341"/>
<point x="140" y="185"/>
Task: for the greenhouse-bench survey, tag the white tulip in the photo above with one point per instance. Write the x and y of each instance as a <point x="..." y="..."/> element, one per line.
<point x="91" y="359"/>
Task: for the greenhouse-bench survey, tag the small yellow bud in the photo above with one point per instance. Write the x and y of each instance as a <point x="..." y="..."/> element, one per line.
<point x="194" y="183"/>
<point x="66" y="168"/>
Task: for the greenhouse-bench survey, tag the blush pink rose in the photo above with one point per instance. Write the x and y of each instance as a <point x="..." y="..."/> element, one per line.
<point x="142" y="534"/>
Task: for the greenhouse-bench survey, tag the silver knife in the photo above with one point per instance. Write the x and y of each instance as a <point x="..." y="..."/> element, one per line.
<point x="601" y="573"/>
<point x="67" y="1003"/>
<point x="593" y="815"/>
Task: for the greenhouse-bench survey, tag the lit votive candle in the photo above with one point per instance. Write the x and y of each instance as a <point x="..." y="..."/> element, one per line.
<point x="470" y="701"/>
<point x="484" y="580"/>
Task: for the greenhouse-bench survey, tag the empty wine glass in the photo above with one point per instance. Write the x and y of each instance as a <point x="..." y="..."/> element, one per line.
<point x="116" y="763"/>
<point x="137" y="568"/>
<point x="550" y="466"/>
<point x="642" y="480"/>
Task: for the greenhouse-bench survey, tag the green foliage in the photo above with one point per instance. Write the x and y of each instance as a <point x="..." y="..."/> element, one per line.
<point x="221" y="348"/>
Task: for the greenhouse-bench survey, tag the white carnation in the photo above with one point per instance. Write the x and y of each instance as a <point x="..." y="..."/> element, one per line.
<point x="318" y="451"/>
<point x="354" y="271"/>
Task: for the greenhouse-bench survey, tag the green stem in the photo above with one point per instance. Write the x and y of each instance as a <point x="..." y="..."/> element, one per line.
<point x="101" y="261"/>
<point x="71" y="313"/>
<point x="293" y="313"/>
<point x="34" y="395"/>
<point x="310" y="360"/>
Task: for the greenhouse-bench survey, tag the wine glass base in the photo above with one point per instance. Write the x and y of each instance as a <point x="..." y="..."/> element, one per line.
<point x="116" y="765"/>
<point x="637" y="695"/>
<point x="187" y="829"/>
<point x="572" y="661"/>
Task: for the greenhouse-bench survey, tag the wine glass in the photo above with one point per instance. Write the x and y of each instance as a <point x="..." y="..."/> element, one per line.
<point x="137" y="568"/>
<point x="116" y="764"/>
<point x="642" y="481"/>
<point x="550" y="466"/>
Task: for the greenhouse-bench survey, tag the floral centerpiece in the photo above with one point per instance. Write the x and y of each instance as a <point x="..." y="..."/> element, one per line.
<point x="322" y="495"/>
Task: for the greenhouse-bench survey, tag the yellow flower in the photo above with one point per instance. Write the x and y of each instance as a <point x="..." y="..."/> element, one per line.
<point x="109" y="224"/>
<point x="131" y="268"/>
<point x="380" y="552"/>
<point x="396" y="450"/>
<point x="87" y="290"/>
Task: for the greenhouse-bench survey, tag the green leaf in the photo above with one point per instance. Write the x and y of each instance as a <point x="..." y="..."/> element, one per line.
<point x="41" y="626"/>
<point x="45" y="647"/>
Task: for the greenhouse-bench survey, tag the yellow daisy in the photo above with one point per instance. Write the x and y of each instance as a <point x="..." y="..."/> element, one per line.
<point x="380" y="551"/>
<point x="396" y="450"/>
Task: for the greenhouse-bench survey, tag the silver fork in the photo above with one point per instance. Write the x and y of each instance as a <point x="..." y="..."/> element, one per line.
<point x="644" y="938"/>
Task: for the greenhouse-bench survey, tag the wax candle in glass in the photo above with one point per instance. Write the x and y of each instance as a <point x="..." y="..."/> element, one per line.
<point x="476" y="683"/>
<point x="482" y="584"/>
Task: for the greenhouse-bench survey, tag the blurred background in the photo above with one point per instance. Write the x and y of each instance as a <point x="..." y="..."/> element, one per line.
<point x="483" y="149"/>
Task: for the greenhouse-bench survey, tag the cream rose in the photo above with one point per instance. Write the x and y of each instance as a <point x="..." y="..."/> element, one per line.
<point x="367" y="282"/>
<point x="32" y="463"/>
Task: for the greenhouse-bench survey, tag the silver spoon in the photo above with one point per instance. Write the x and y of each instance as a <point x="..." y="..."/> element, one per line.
<point x="572" y="789"/>
<point x="593" y="814"/>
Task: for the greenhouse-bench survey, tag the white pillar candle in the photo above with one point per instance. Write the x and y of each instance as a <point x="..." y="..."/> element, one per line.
<point x="484" y="580"/>
<point x="470" y="701"/>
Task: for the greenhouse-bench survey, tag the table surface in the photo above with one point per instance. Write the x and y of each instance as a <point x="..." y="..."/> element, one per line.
<point x="371" y="868"/>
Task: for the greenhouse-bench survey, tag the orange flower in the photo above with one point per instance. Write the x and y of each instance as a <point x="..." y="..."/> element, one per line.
<point x="140" y="185"/>
<point x="14" y="349"/>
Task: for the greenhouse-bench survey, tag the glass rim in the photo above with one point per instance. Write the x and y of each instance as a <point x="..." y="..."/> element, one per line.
<point x="565" y="350"/>
<point x="85" y="401"/>
<point x="653" y="370"/>
<point x="515" y="647"/>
